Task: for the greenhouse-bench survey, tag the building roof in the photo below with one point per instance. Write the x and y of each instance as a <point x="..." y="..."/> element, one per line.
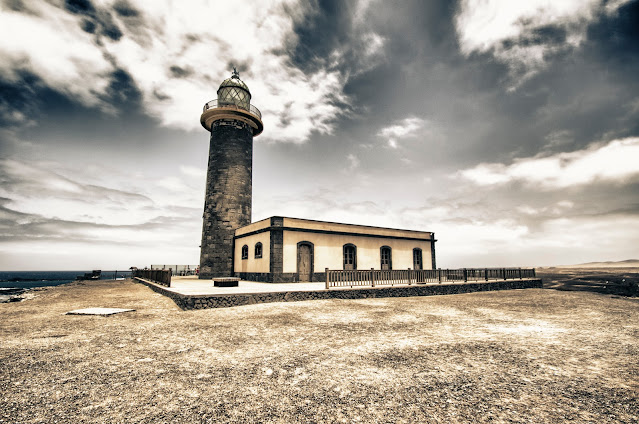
<point x="309" y="225"/>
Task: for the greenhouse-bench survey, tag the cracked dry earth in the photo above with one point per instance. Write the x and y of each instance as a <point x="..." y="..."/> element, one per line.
<point x="517" y="356"/>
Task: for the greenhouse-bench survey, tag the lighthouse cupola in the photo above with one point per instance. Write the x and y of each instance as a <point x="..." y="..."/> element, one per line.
<point x="233" y="91"/>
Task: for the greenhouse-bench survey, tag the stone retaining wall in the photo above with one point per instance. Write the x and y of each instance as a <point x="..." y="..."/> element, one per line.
<point x="187" y="302"/>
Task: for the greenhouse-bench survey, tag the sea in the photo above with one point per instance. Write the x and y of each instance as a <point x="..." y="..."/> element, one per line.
<point x="32" y="279"/>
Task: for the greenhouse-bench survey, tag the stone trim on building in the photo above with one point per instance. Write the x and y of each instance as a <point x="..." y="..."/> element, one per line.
<point x="432" y="250"/>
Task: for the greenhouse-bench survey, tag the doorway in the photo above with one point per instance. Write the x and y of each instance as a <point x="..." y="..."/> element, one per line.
<point x="304" y="261"/>
<point x="386" y="258"/>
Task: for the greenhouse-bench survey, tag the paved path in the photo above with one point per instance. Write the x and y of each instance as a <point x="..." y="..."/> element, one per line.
<point x="191" y="285"/>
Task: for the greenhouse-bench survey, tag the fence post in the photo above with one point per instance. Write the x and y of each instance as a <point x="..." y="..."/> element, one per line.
<point x="372" y="277"/>
<point x="410" y="280"/>
<point x="465" y="275"/>
<point x="503" y="270"/>
<point x="533" y="273"/>
<point x="439" y="275"/>
<point x="326" y="275"/>
<point x="486" y="273"/>
<point x="520" y="273"/>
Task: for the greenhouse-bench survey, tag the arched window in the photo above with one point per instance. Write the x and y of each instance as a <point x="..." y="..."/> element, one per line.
<point x="417" y="258"/>
<point x="350" y="256"/>
<point x="386" y="257"/>
<point x="258" y="250"/>
<point x="245" y="252"/>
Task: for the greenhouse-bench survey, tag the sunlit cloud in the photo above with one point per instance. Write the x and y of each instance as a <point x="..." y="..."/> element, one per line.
<point x="406" y="128"/>
<point x="611" y="162"/>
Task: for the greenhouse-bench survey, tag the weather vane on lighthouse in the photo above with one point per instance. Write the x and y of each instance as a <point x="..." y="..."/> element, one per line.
<point x="235" y="73"/>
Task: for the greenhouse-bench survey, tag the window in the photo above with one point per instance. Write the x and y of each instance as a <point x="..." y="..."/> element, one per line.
<point x="386" y="257"/>
<point x="258" y="250"/>
<point x="417" y="258"/>
<point x="350" y="256"/>
<point x="245" y="252"/>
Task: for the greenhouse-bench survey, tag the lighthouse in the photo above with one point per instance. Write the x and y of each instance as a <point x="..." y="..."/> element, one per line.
<point x="233" y="122"/>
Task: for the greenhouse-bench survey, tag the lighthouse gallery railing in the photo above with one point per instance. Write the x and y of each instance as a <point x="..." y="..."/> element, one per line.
<point x="214" y="104"/>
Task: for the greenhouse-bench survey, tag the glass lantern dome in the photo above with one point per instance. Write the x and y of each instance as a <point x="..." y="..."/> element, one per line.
<point x="233" y="91"/>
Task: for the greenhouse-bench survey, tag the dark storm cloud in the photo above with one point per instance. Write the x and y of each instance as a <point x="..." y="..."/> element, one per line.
<point x="17" y="99"/>
<point x="410" y="31"/>
<point x="110" y="29"/>
<point x="179" y="72"/>
<point x="60" y="119"/>
<point x="95" y="19"/>
<point x="423" y="74"/>
<point x="321" y="31"/>
<point x="123" y="92"/>
<point x="614" y="39"/>
<point x="88" y="26"/>
<point x="124" y="8"/>
<point x="84" y="7"/>
<point x="16" y="6"/>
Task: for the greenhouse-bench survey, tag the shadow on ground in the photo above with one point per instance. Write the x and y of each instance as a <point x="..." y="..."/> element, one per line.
<point x="614" y="281"/>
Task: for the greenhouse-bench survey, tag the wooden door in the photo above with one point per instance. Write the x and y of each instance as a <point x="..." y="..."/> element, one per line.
<point x="385" y="255"/>
<point x="304" y="262"/>
<point x="349" y="257"/>
<point x="417" y="259"/>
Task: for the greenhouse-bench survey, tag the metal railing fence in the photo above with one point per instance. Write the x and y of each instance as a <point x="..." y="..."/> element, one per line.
<point x="377" y="277"/>
<point x="179" y="269"/>
<point x="214" y="104"/>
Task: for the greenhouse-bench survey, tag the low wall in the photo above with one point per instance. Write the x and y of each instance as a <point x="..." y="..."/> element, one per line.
<point x="187" y="302"/>
<point x="159" y="276"/>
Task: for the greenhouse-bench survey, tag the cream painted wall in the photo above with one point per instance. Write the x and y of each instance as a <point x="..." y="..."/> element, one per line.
<point x="251" y="264"/>
<point x="253" y="227"/>
<point x="328" y="251"/>
<point x="351" y="228"/>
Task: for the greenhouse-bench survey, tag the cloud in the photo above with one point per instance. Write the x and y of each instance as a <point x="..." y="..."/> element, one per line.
<point x="54" y="47"/>
<point x="40" y="188"/>
<point x="525" y="34"/>
<point x="192" y="171"/>
<point x="614" y="162"/>
<point x="49" y="219"/>
<point x="405" y="128"/>
<point x="556" y="209"/>
<point x="34" y="241"/>
<point x="353" y="161"/>
<point x="176" y="58"/>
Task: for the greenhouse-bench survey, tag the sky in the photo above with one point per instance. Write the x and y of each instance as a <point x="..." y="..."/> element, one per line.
<point x="510" y="129"/>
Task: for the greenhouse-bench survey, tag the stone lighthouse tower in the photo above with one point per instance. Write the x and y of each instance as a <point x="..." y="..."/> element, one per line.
<point x="233" y="122"/>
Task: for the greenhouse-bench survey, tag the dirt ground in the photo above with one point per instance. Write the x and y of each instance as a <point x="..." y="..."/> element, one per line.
<point x="521" y="356"/>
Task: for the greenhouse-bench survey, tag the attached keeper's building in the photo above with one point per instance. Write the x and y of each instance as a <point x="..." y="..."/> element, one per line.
<point x="280" y="249"/>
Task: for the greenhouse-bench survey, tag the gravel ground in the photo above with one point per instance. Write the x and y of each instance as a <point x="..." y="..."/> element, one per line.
<point x="518" y="356"/>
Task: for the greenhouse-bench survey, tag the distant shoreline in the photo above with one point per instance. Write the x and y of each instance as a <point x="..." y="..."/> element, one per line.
<point x="34" y="279"/>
